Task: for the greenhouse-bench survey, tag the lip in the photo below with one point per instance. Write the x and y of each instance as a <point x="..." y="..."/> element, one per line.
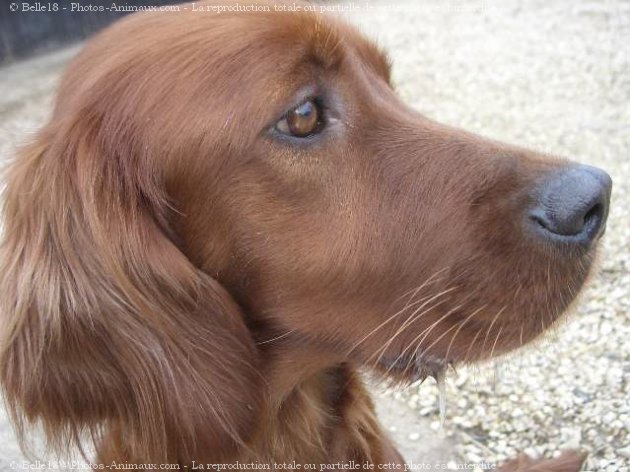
<point x="417" y="367"/>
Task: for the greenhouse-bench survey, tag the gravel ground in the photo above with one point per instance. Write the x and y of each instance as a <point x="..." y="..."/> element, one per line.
<point x="552" y="76"/>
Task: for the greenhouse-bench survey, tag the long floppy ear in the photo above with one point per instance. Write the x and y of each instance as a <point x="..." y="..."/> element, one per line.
<point x="106" y="326"/>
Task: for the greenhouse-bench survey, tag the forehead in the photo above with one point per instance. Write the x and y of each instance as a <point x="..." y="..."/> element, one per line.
<point x="325" y="41"/>
<point x="259" y="60"/>
<point x="284" y="40"/>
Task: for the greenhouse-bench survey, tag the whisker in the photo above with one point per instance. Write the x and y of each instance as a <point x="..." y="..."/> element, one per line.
<point x="426" y="332"/>
<point x="276" y="338"/>
<point x="381" y="351"/>
<point x="483" y="347"/>
<point x="470" y="345"/>
<point x="402" y="354"/>
<point x="495" y="341"/>
<point x="518" y="290"/>
<point x="425" y="283"/>
<point x="445" y="332"/>
<point x="395" y="315"/>
<point x="416" y="315"/>
<point x="461" y="325"/>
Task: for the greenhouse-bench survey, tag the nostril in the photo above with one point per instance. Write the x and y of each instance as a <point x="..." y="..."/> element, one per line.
<point x="593" y="214"/>
<point x="567" y="223"/>
<point x="593" y="220"/>
<point x="572" y="205"/>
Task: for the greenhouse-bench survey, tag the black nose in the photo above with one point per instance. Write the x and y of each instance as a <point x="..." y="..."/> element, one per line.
<point x="572" y="205"/>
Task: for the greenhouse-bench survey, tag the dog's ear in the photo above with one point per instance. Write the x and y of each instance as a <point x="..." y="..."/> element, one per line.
<point x="106" y="324"/>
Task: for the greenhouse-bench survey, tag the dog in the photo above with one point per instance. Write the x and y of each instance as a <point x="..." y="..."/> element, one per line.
<point x="229" y="215"/>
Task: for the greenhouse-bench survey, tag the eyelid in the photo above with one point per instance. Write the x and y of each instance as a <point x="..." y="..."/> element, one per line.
<point x="328" y="106"/>
<point x="299" y="97"/>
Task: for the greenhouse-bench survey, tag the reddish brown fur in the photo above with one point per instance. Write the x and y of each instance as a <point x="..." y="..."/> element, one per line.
<point x="181" y="285"/>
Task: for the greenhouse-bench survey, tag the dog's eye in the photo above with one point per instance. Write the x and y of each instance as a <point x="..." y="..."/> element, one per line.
<point x="302" y="121"/>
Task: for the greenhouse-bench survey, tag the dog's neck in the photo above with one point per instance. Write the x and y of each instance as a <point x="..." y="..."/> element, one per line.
<point x="292" y="362"/>
<point x="309" y="384"/>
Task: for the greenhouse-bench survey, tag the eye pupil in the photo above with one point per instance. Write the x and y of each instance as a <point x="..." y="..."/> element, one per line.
<point x="303" y="120"/>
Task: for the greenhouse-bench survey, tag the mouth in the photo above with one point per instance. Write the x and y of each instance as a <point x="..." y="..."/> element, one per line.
<point x="415" y="368"/>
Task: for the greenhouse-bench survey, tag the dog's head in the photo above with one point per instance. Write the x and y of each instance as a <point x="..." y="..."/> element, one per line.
<point x="208" y="181"/>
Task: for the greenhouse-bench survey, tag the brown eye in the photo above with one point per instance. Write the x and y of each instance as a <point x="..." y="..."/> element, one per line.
<point x="303" y="120"/>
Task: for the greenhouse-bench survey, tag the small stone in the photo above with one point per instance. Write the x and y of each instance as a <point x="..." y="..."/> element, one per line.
<point x="624" y="451"/>
<point x="531" y="452"/>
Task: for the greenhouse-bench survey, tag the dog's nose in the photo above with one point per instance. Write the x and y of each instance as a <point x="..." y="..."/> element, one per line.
<point x="572" y="205"/>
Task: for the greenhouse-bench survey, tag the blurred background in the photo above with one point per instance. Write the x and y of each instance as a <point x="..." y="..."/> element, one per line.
<point x="554" y="76"/>
<point x="28" y="28"/>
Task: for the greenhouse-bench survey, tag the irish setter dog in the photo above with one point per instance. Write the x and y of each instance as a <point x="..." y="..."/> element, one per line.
<point x="229" y="215"/>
